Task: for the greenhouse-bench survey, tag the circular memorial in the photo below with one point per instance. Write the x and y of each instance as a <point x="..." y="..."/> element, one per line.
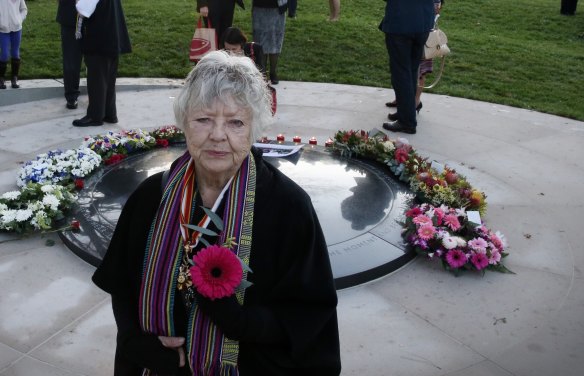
<point x="357" y="202"/>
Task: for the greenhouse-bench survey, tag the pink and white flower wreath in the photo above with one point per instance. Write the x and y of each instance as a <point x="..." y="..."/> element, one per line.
<point x="446" y="234"/>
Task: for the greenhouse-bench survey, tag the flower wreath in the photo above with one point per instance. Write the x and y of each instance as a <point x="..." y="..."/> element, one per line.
<point x="438" y="227"/>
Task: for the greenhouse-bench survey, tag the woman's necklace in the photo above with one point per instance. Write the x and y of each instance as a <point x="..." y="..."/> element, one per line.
<point x="191" y="237"/>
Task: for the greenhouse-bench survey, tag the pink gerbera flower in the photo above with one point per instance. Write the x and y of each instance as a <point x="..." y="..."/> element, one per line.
<point x="478" y="244"/>
<point x="422" y="220"/>
<point x="414" y="212"/>
<point x="479" y="260"/>
<point x="455" y="258"/>
<point x="426" y="232"/>
<point x="216" y="273"/>
<point x="452" y="222"/>
<point x="495" y="258"/>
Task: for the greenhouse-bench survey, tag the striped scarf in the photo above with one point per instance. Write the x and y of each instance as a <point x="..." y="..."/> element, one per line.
<point x="208" y="350"/>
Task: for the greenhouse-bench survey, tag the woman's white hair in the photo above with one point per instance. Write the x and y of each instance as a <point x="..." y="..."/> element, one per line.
<point x="219" y="75"/>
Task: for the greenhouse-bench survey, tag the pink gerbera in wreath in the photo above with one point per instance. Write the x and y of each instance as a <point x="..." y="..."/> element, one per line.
<point x="216" y="272"/>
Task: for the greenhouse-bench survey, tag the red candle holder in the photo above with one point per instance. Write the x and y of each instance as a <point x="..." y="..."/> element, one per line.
<point x="264" y="140"/>
<point x="328" y="143"/>
<point x="297" y="139"/>
<point x="312" y="141"/>
<point x="280" y="138"/>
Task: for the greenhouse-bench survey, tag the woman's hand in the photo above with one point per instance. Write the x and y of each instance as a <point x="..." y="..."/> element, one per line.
<point x="175" y="343"/>
<point x="204" y="11"/>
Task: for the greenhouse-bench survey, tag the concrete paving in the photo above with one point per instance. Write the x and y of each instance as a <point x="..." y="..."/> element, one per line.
<point x="419" y="320"/>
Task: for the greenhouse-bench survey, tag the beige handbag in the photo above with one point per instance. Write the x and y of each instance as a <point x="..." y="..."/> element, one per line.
<point x="436" y="45"/>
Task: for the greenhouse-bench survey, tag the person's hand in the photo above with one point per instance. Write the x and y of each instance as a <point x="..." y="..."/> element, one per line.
<point x="175" y="343"/>
<point x="204" y="11"/>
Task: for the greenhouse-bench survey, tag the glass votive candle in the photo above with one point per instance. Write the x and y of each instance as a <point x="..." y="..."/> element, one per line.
<point x="328" y="143"/>
<point x="312" y="141"/>
<point x="297" y="139"/>
<point x="264" y="140"/>
<point x="280" y="138"/>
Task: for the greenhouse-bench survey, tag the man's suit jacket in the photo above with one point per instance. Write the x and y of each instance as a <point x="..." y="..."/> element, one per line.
<point x="408" y="16"/>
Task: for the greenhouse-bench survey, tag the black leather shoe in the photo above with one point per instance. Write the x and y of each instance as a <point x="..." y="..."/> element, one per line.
<point x="86" y="122"/>
<point x="392" y="117"/>
<point x="111" y="119"/>
<point x="72" y="105"/>
<point x="396" y="126"/>
<point x="393" y="103"/>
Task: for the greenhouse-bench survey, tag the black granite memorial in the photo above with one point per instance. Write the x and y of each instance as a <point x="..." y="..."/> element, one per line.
<point x="357" y="202"/>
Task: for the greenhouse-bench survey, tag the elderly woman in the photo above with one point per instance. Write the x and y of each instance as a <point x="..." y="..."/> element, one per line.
<point x="285" y="323"/>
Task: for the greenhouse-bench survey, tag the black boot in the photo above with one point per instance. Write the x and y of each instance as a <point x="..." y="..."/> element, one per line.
<point x="15" y="63"/>
<point x="2" y="73"/>
<point x="274" y="68"/>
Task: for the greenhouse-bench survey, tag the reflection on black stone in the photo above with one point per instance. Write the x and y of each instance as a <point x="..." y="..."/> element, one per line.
<point x="367" y="204"/>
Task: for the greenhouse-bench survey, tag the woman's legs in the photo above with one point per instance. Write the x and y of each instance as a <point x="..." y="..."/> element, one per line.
<point x="10" y="41"/>
<point x="421" y="83"/>
<point x="274" y="68"/>
<point x="335" y="10"/>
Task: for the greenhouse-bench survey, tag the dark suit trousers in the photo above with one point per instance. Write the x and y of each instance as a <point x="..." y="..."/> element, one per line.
<point x="102" y="72"/>
<point x="568" y="6"/>
<point x="221" y="15"/>
<point x="72" y="56"/>
<point x="405" y="52"/>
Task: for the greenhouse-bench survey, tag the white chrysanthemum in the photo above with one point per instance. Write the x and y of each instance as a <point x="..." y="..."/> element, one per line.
<point x="12" y="195"/>
<point x="3" y="207"/>
<point x="388" y="146"/>
<point x="23" y="215"/>
<point x="460" y="241"/>
<point x="47" y="188"/>
<point x="449" y="242"/>
<point x="8" y="216"/>
<point x="51" y="201"/>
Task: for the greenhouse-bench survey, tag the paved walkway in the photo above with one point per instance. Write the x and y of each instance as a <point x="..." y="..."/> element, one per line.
<point x="417" y="321"/>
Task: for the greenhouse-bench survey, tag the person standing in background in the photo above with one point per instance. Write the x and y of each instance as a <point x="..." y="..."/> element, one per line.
<point x="406" y="25"/>
<point x="104" y="36"/>
<point x="71" y="50"/>
<point x="426" y="67"/>
<point x="12" y="14"/>
<point x="220" y="12"/>
<point x="569" y="7"/>
<point x="269" y="23"/>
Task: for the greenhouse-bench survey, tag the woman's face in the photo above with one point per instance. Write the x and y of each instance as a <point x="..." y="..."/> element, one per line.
<point x="219" y="137"/>
<point x="234" y="49"/>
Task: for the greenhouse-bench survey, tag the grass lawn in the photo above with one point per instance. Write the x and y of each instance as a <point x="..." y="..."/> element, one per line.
<point x="521" y="53"/>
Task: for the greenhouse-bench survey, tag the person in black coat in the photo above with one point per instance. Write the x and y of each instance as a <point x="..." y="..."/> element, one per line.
<point x="168" y="322"/>
<point x="71" y="50"/>
<point x="104" y="37"/>
<point x="406" y="25"/>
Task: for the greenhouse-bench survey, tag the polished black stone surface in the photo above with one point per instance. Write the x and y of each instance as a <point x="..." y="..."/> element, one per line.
<point x="357" y="202"/>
